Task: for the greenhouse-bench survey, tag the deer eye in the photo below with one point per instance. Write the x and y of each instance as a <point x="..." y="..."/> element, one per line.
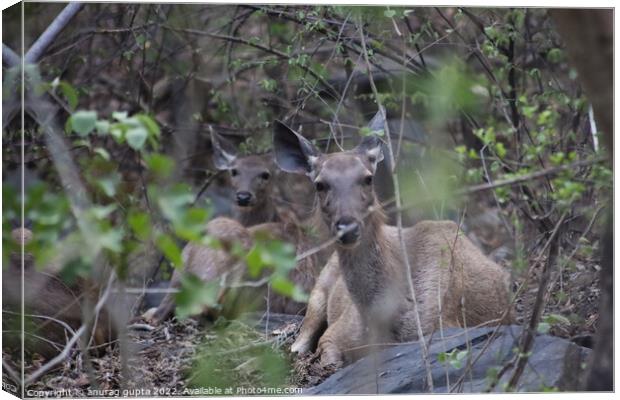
<point x="265" y="176"/>
<point x="368" y="180"/>
<point x="234" y="172"/>
<point x="320" y="186"/>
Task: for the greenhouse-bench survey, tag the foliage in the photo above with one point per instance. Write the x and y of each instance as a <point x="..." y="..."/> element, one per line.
<point x="487" y="96"/>
<point x="234" y="355"/>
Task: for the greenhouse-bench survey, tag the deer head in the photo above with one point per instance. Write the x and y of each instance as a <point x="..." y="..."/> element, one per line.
<point x="250" y="176"/>
<point x="343" y="180"/>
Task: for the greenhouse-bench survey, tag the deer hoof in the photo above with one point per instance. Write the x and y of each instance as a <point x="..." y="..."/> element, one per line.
<point x="331" y="359"/>
<point x="149" y="316"/>
<point x="300" y="346"/>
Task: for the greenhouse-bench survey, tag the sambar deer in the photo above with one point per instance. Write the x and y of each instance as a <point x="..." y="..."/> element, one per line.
<point x="251" y="178"/>
<point x="255" y="213"/>
<point x="362" y="296"/>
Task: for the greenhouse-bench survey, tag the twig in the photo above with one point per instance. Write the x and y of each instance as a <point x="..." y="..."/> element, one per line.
<point x="534" y="175"/>
<point x="10" y="371"/>
<point x="46" y="38"/>
<point x="271" y="50"/>
<point x="60" y="357"/>
<point x="489" y="180"/>
<point x="9" y="57"/>
<point x="62" y="323"/>
<point x="141" y="327"/>
<point x="527" y="340"/>
<point x="429" y="376"/>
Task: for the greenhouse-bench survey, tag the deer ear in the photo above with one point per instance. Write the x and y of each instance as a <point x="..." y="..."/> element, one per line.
<point x="293" y="152"/>
<point x="377" y="123"/>
<point x="371" y="147"/>
<point x="224" y="153"/>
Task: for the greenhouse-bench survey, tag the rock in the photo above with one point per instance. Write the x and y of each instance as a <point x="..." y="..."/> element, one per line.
<point x="271" y="322"/>
<point x="554" y="362"/>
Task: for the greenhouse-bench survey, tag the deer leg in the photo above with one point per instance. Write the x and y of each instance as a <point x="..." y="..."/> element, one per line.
<point x="338" y="343"/>
<point x="314" y="322"/>
<point x="164" y="310"/>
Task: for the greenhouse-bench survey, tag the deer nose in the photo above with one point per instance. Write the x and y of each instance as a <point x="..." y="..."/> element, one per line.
<point x="243" y="198"/>
<point x="348" y="230"/>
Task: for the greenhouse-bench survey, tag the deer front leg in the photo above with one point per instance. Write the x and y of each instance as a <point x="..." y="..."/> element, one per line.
<point x="164" y="310"/>
<point x="337" y="345"/>
<point x="314" y="322"/>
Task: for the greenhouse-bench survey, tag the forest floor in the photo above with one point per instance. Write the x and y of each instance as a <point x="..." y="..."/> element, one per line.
<point x="169" y="358"/>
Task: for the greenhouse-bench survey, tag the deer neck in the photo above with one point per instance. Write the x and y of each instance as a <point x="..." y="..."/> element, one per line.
<point x="260" y="213"/>
<point x="368" y="268"/>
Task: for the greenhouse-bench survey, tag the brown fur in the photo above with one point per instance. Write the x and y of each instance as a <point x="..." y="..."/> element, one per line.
<point x="261" y="208"/>
<point x="362" y="296"/>
<point x="210" y="264"/>
<point x="46" y="296"/>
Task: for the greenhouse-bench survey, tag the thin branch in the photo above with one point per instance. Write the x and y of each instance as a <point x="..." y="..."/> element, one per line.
<point x="266" y="49"/>
<point x="9" y="57"/>
<point x="534" y="175"/>
<point x="399" y="217"/>
<point x="61" y="357"/>
<point x="527" y="340"/>
<point x="36" y="50"/>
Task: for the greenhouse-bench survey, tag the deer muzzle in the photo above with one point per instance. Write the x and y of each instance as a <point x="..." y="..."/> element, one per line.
<point x="348" y="231"/>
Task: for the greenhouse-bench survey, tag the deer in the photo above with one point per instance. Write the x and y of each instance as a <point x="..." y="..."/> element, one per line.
<point x="251" y="178"/>
<point x="255" y="214"/>
<point x="53" y="307"/>
<point x="362" y="296"/>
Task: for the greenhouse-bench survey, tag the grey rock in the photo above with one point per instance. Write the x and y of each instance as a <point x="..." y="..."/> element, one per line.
<point x="554" y="362"/>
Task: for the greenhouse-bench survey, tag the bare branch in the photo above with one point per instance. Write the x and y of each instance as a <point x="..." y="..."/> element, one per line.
<point x="9" y="57"/>
<point x="65" y="353"/>
<point x="36" y="50"/>
<point x="427" y="364"/>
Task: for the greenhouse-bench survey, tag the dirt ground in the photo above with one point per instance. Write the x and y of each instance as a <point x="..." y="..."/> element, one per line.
<point x="166" y="358"/>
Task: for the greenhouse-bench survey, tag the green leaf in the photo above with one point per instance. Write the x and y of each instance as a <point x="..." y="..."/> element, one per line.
<point x="366" y="131"/>
<point x="70" y="94"/>
<point x="170" y="249"/>
<point x="83" y="122"/>
<point x="254" y="261"/>
<point x="149" y="123"/>
<point x="140" y="223"/>
<point x="554" y="55"/>
<point x="75" y="268"/>
<point x="102" y="127"/>
<point x="109" y="238"/>
<point x="192" y="224"/>
<point x="101" y="212"/>
<point x="103" y="153"/>
<point x="389" y="13"/>
<point x="108" y="183"/>
<point x="159" y="164"/>
<point x="500" y="149"/>
<point x="543" y="327"/>
<point x="136" y="137"/>
<point x="194" y="295"/>
<point x="286" y="287"/>
<point x="557" y="319"/>
<point x="173" y="202"/>
<point x="119" y="115"/>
